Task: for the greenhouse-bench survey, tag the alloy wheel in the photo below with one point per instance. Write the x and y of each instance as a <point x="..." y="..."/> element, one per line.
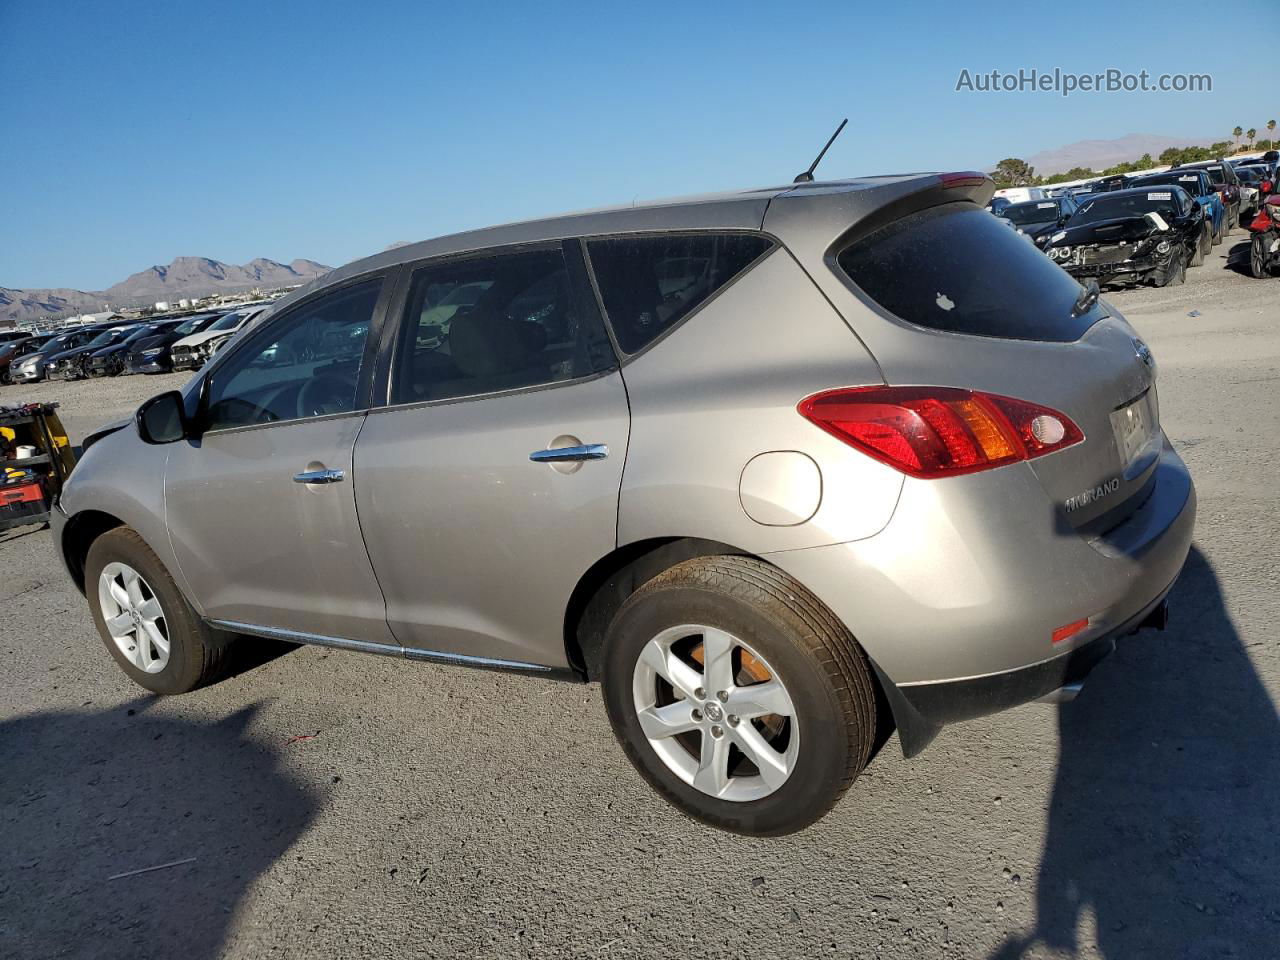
<point x="716" y="714"/>
<point x="133" y="616"/>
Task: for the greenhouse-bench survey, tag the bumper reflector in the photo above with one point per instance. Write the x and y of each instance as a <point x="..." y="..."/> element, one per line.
<point x="1067" y="631"/>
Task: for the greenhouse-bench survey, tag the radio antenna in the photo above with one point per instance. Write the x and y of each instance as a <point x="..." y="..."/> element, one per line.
<point x="807" y="176"/>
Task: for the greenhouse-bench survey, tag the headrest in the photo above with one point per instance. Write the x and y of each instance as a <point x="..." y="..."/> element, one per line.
<point x="487" y="344"/>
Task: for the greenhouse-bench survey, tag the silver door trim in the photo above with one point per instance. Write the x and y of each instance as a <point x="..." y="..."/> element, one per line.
<point x="586" y="451"/>
<point x="320" y="476"/>
<point x="384" y="649"/>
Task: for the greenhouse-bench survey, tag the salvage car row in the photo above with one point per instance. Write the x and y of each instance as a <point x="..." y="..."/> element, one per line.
<point x="1149" y="228"/>
<point x="154" y="345"/>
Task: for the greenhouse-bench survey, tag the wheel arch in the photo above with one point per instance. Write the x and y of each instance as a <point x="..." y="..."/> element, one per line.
<point x="78" y="535"/>
<point x="606" y="585"/>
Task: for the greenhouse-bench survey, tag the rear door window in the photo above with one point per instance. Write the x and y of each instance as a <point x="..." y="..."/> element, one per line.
<point x="493" y="322"/>
<point x="650" y="283"/>
<point x="958" y="269"/>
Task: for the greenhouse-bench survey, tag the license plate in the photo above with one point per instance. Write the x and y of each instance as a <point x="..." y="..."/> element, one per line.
<point x="1135" y="425"/>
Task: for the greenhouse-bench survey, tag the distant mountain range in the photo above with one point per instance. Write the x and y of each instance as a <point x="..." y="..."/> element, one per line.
<point x="1100" y="154"/>
<point x="185" y="277"/>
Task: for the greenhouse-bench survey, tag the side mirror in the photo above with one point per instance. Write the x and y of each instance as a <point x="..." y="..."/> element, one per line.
<point x="162" y="419"/>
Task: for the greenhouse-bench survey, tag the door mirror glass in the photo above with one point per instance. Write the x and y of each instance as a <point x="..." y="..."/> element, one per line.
<point x="162" y="419"/>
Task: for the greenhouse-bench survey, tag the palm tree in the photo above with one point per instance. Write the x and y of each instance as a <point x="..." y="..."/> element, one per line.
<point x="1252" y="134"/>
<point x="1236" y="133"/>
<point x="1271" y="129"/>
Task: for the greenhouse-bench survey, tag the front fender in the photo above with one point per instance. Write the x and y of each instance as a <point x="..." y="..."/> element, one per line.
<point x="122" y="477"/>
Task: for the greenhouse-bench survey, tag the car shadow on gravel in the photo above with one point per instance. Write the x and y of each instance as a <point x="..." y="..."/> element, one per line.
<point x="1164" y="823"/>
<point x="86" y="795"/>
<point x="1238" y="258"/>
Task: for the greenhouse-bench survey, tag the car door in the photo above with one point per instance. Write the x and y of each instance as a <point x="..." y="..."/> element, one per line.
<point x="261" y="507"/>
<point x="489" y="483"/>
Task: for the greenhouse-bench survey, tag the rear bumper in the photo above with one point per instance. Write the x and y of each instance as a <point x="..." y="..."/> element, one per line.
<point x="957" y="599"/>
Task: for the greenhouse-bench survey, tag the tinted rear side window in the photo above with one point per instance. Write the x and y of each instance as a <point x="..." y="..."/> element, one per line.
<point x="650" y="283"/>
<point x="957" y="268"/>
<point x="496" y="322"/>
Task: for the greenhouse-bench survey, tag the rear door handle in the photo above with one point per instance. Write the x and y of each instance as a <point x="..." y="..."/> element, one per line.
<point x="588" y="451"/>
<point x="320" y="476"/>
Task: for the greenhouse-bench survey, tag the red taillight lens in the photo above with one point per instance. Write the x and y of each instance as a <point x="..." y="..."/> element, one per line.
<point x="939" y="431"/>
<point x="967" y="178"/>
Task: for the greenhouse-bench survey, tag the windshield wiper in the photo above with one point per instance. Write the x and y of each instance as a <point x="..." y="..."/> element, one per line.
<point x="1089" y="294"/>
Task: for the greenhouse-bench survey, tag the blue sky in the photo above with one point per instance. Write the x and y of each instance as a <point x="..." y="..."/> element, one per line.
<point x="137" y="132"/>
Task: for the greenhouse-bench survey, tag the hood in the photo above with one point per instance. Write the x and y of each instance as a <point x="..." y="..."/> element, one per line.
<point x="1119" y="230"/>
<point x="204" y="336"/>
<point x="73" y="352"/>
<point x="101" y="432"/>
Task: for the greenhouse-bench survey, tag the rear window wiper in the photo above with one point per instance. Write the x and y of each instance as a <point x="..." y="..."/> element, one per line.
<point x="1089" y="294"/>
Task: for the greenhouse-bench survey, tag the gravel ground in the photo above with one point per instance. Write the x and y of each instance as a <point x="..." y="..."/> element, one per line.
<point x="438" y="812"/>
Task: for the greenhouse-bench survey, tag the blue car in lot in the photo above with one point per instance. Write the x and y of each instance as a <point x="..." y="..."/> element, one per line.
<point x="1197" y="183"/>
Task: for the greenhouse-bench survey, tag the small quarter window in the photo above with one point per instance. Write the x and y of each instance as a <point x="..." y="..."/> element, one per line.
<point x="650" y="283"/>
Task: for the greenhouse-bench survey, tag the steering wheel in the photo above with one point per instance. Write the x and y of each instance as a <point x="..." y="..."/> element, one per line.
<point x="316" y="396"/>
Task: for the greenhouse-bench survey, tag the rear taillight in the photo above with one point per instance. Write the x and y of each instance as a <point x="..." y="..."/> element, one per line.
<point x="939" y="431"/>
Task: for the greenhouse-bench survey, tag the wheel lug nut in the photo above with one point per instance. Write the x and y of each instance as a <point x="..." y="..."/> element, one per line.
<point x="723" y="696"/>
<point x="700" y="693"/>
<point x="717" y="731"/>
<point x="733" y="721"/>
<point x="697" y="715"/>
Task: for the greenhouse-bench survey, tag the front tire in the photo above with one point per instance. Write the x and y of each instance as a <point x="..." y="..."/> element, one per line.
<point x="1258" y="256"/>
<point x="148" y="627"/>
<point x="1172" y="273"/>
<point x="1202" y="247"/>
<point x="738" y="696"/>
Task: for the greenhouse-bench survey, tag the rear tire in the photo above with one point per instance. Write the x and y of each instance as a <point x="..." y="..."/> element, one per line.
<point x="772" y="633"/>
<point x="195" y="654"/>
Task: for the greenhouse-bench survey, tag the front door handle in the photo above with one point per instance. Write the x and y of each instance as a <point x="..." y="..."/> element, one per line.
<point x="587" y="451"/>
<point x="319" y="476"/>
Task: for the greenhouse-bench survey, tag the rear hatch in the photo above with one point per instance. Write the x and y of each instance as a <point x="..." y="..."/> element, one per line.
<point x="968" y="303"/>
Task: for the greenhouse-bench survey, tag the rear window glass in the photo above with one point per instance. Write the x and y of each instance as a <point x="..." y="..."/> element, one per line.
<point x="650" y="283"/>
<point x="956" y="268"/>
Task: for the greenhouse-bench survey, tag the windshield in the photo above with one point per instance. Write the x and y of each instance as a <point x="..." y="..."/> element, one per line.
<point x="1247" y="175"/>
<point x="189" y="326"/>
<point x="1189" y="182"/>
<point x="104" y="338"/>
<point x="1117" y="205"/>
<point x="142" y="332"/>
<point x="229" y="322"/>
<point x="1041" y="211"/>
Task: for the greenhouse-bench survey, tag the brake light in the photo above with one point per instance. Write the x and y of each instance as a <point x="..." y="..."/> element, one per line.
<point x="932" y="432"/>
<point x="968" y="178"/>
